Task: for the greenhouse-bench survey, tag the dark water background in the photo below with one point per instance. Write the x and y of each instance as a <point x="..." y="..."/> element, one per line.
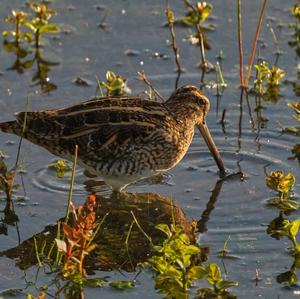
<point x="84" y="50"/>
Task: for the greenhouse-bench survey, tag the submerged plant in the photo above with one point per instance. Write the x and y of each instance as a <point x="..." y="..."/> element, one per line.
<point x="267" y="83"/>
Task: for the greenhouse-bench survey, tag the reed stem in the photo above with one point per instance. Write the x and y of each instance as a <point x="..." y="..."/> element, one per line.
<point x="240" y="41"/>
<point x="72" y="183"/>
<point x="256" y="36"/>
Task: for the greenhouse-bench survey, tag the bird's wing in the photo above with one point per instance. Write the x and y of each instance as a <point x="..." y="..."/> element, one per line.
<point x="92" y="116"/>
<point x="99" y="126"/>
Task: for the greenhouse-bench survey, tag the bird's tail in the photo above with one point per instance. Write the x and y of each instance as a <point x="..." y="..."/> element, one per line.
<point x="11" y="127"/>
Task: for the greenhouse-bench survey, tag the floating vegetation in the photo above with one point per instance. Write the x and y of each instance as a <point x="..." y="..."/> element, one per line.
<point x="61" y="167"/>
<point x="282" y="184"/>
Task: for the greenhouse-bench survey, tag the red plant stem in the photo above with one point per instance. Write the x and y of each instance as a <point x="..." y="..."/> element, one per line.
<point x="240" y="41"/>
<point x="259" y="23"/>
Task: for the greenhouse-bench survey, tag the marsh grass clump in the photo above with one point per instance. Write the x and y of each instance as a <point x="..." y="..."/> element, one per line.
<point x="282" y="184"/>
<point x="267" y="82"/>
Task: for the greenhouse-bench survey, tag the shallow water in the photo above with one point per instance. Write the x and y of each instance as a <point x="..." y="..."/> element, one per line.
<point x="233" y="208"/>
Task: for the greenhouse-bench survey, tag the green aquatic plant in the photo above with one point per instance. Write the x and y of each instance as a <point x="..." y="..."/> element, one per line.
<point x="296" y="107"/>
<point x="40" y="24"/>
<point x="219" y="286"/>
<point x="18" y="18"/>
<point x="40" y="296"/>
<point x="289" y="229"/>
<point x="7" y="180"/>
<point x="177" y="264"/>
<point x="295" y="42"/>
<point x="198" y="15"/>
<point x="61" y="167"/>
<point x="171" y="19"/>
<point x="267" y="82"/>
<point x="172" y="262"/>
<point x="282" y="184"/>
<point x="115" y="84"/>
<point x="195" y="16"/>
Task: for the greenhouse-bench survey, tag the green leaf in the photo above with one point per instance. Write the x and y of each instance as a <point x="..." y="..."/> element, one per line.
<point x="197" y="272"/>
<point x="227" y="284"/>
<point x="289" y="278"/>
<point x="110" y="76"/>
<point x="294" y="227"/>
<point x="117" y="84"/>
<point x="95" y="282"/>
<point x="214" y="272"/>
<point x="50" y="28"/>
<point x="164" y="228"/>
<point x="29" y="25"/>
<point x="192" y="249"/>
<point x="122" y="285"/>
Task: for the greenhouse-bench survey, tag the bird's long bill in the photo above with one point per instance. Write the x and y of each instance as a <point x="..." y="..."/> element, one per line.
<point x="212" y="147"/>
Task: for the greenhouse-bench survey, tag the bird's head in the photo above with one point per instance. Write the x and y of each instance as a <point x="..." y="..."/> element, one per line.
<point x="197" y="103"/>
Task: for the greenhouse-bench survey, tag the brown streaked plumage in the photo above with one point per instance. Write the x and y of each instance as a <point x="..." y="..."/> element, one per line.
<point x="122" y="139"/>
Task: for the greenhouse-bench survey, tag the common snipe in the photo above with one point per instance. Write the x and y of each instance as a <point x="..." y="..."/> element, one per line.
<point x="122" y="139"/>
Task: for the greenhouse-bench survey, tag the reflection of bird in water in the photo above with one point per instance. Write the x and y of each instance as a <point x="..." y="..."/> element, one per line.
<point x="112" y="251"/>
<point x="122" y="139"/>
